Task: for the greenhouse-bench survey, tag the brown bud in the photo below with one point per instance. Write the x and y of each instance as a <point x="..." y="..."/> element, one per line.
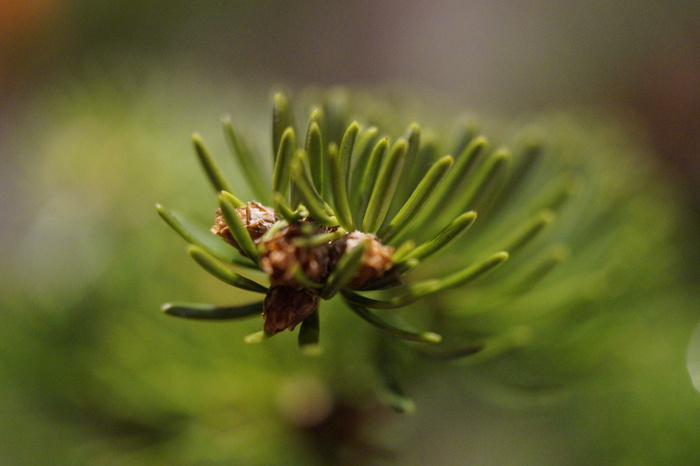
<point x="281" y="257"/>
<point x="375" y="261"/>
<point x="286" y="306"/>
<point x="256" y="217"/>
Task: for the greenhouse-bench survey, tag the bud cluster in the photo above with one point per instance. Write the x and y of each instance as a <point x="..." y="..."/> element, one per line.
<point x="284" y="254"/>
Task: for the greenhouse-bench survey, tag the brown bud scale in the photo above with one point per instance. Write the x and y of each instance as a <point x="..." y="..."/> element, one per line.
<point x="257" y="220"/>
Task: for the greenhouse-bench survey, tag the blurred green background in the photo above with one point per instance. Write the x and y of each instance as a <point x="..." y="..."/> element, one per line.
<point x="97" y="100"/>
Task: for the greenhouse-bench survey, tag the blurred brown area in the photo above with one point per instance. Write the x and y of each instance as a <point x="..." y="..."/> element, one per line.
<point x="664" y="90"/>
<point x="28" y="32"/>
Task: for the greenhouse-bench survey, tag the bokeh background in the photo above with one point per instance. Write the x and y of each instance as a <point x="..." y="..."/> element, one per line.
<point x="98" y="98"/>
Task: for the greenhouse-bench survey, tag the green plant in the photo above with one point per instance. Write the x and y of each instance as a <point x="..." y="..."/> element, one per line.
<point x="359" y="216"/>
<point x="312" y="251"/>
